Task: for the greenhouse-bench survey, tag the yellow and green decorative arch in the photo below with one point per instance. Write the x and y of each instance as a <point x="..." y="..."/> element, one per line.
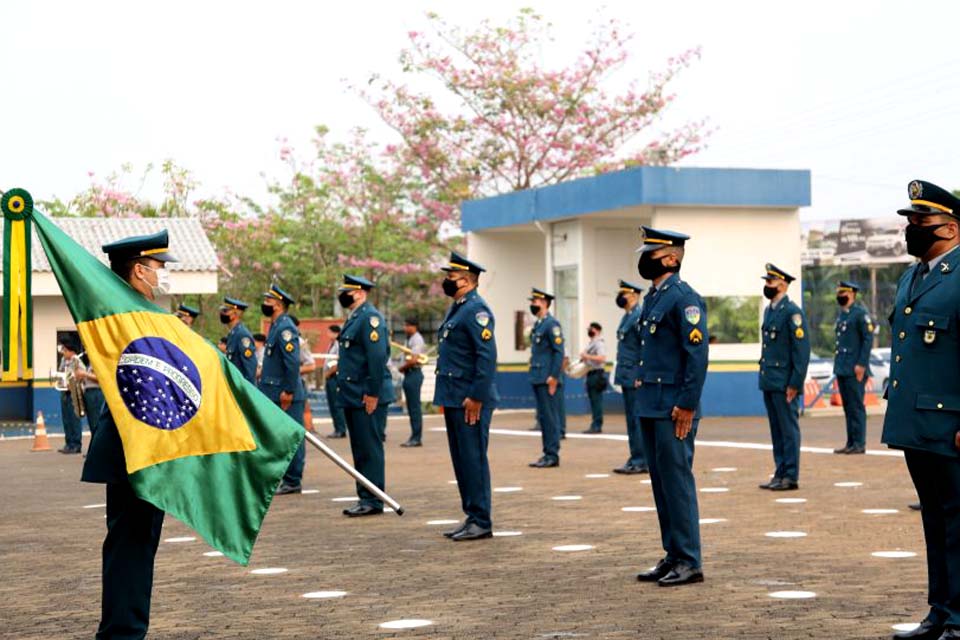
<point x="17" y="319"/>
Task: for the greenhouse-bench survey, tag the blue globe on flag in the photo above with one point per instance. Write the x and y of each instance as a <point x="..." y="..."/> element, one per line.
<point x="159" y="383"/>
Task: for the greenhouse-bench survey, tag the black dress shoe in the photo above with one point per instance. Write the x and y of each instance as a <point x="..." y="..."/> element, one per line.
<point x="69" y="450"/>
<point x="472" y="531"/>
<point x="770" y="483"/>
<point x="335" y="435"/>
<point x="679" y="575"/>
<point x="950" y="633"/>
<point x="843" y="450"/>
<point x="592" y="431"/>
<point x="359" y="510"/>
<point x="785" y="484"/>
<point x="926" y="631"/>
<point x="285" y="489"/>
<point x="629" y="470"/>
<point x="857" y="450"/>
<point x="915" y="506"/>
<point x="411" y="443"/>
<point x="652" y="575"/>
<point x="453" y="532"/>
<point x="544" y="463"/>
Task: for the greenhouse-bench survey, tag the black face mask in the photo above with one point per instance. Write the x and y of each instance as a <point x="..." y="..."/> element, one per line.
<point x="534" y="309"/>
<point x="621" y="301"/>
<point x="345" y="299"/>
<point x="842" y="300"/>
<point x="267" y="309"/>
<point x="770" y="292"/>
<point x="921" y="238"/>
<point x="592" y="334"/>
<point x="450" y="287"/>
<point x="650" y="268"/>
<point x="225" y="319"/>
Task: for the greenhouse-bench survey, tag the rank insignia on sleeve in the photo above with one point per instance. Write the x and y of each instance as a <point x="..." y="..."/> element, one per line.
<point x="289" y="347"/>
<point x="374" y="336"/>
<point x="247" y="353"/>
<point x="797" y="319"/>
<point x="287" y="335"/>
<point x="374" y="321"/>
<point x="558" y="340"/>
<point x="486" y="334"/>
<point x="799" y="333"/>
<point x="483" y="318"/>
<point x="695" y="337"/>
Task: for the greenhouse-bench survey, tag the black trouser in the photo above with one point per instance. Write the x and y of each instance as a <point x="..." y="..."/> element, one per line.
<point x="596" y="385"/>
<point x="72" y="432"/>
<point x="412" y="383"/>
<point x="937" y="480"/>
<point x="133" y="533"/>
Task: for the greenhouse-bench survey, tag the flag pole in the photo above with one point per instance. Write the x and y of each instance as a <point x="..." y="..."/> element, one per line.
<point x="359" y="477"/>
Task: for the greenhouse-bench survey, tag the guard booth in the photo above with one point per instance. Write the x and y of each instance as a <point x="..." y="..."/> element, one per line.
<point x="577" y="239"/>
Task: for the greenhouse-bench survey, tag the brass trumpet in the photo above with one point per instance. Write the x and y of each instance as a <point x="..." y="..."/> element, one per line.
<point x="421" y="358"/>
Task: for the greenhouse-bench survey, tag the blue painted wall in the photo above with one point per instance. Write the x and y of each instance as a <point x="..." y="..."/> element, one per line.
<point x="642" y="186"/>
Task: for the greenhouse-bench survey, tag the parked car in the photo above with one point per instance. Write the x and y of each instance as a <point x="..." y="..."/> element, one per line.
<point x="889" y="242"/>
<point x="880" y="367"/>
<point x="820" y="369"/>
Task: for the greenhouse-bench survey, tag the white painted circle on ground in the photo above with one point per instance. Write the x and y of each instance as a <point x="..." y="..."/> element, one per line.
<point x="566" y="498"/>
<point x="507" y="489"/>
<point x="451" y="482"/>
<point x="792" y="595"/>
<point x="724" y="469"/>
<point x="388" y="509"/>
<point x="405" y="624"/>
<point x="714" y="490"/>
<point x="439" y="522"/>
<point x="506" y="534"/>
<point x="307" y="492"/>
<point x="791" y="500"/>
<point x="785" y="534"/>
<point x="181" y="539"/>
<point x="597" y="475"/>
<point x="647" y="481"/>
<point x="344" y="499"/>
<point x="880" y="512"/>
<point x="213" y="554"/>
<point x="319" y="595"/>
<point x="905" y="626"/>
<point x="848" y="484"/>
<point x="893" y="554"/>
<point x="574" y="547"/>
<point x="712" y="520"/>
<point x="269" y="571"/>
<point x="638" y="509"/>
<point x="94" y="506"/>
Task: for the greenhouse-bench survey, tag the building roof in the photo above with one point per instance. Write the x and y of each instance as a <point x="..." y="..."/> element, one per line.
<point x="188" y="240"/>
<point x="642" y="186"/>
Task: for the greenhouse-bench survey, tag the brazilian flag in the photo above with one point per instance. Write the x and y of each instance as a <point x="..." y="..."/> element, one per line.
<point x="201" y="443"/>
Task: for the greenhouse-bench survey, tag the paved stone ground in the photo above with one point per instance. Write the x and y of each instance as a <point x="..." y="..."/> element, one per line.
<point x="508" y="587"/>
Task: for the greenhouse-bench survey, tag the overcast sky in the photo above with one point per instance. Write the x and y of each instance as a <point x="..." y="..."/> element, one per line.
<point x="864" y="94"/>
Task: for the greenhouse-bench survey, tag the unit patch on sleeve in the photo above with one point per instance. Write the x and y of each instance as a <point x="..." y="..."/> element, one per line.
<point x="692" y="314"/>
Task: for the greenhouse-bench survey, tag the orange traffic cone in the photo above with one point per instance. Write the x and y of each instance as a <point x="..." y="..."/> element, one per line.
<point x="308" y="418"/>
<point x="811" y="389"/>
<point x="40" y="441"/>
<point x="870" y="398"/>
<point x="835" y="399"/>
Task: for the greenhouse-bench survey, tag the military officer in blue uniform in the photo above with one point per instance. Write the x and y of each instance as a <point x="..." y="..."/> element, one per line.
<point x="280" y="376"/>
<point x="673" y="349"/>
<point x="466" y="367"/>
<point x="627" y="374"/>
<point x="546" y="367"/>
<point x="851" y="364"/>
<point x="133" y="525"/>
<point x="364" y="387"/>
<point x="923" y="395"/>
<point x="784" y="358"/>
<point x="188" y="315"/>
<point x="241" y="350"/>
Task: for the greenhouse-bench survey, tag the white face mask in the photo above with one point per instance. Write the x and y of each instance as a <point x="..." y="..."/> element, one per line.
<point x="162" y="287"/>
